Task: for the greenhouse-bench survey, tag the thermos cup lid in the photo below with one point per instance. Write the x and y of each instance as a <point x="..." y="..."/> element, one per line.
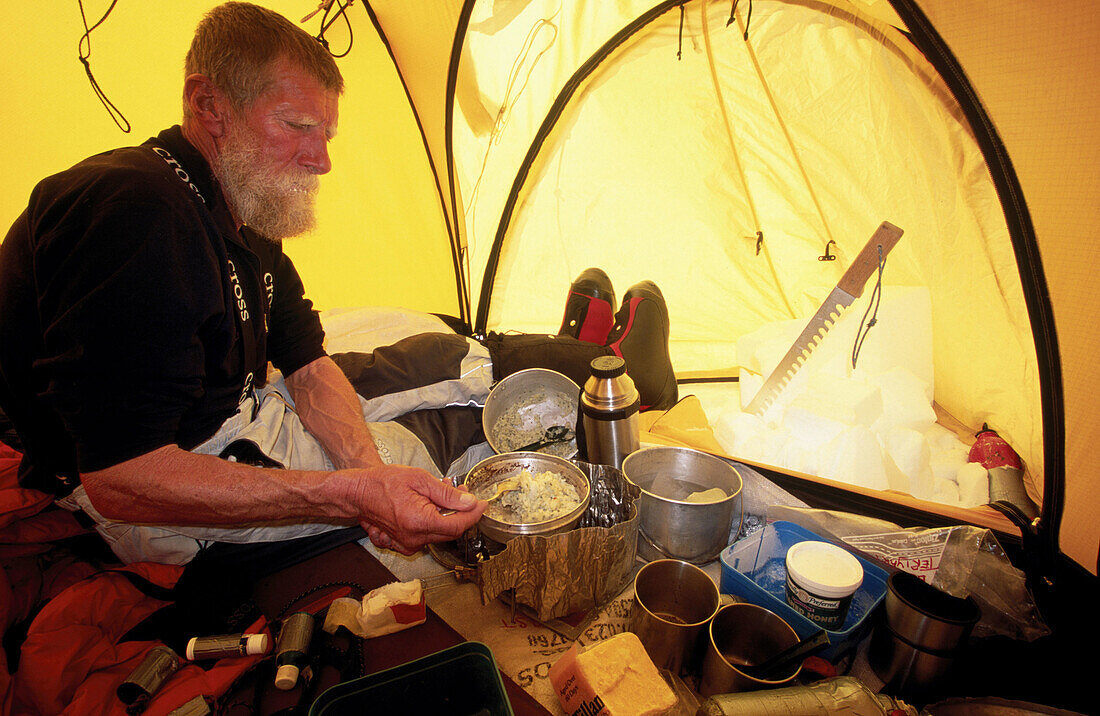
<point x="608" y="367"/>
<point x="609" y="394"/>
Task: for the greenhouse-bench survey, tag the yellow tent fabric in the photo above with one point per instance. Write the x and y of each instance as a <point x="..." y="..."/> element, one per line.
<point x="1033" y="66"/>
<point x="516" y="64"/>
<point x="442" y="108"/>
<point x="379" y="212"/>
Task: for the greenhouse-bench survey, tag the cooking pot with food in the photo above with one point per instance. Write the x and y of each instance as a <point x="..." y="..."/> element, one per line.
<point x="523" y="407"/>
<point x="549" y="494"/>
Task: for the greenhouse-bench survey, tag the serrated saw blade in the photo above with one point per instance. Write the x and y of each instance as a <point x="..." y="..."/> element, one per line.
<point x="848" y="289"/>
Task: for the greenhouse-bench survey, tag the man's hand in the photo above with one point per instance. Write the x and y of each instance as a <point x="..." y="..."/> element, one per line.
<point x="400" y="508"/>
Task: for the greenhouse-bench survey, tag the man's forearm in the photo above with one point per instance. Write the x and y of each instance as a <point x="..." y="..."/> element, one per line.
<point x="330" y="411"/>
<point x="170" y="486"/>
<point x="173" y="486"/>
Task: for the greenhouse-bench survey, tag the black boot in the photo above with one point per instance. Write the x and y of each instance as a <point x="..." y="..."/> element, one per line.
<point x="590" y="308"/>
<point x="640" y="337"/>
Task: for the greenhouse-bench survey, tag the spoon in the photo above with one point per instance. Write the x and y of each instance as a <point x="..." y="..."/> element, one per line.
<point x="784" y="659"/>
<point x="506" y="485"/>
<point x="553" y="434"/>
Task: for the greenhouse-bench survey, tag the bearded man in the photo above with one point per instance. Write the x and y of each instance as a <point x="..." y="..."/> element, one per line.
<point x="142" y="294"/>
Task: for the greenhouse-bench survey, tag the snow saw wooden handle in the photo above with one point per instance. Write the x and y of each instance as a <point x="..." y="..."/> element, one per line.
<point x="855" y="278"/>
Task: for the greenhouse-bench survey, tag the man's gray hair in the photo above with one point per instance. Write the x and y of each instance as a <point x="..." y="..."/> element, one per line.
<point x="236" y="44"/>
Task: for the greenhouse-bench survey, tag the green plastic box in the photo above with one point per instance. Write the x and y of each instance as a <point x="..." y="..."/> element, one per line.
<point x="461" y="680"/>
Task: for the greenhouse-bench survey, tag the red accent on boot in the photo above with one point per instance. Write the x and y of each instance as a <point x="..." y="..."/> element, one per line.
<point x="616" y="347"/>
<point x="597" y="320"/>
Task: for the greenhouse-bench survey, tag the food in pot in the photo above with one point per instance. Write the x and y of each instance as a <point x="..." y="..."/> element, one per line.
<point x="526" y="422"/>
<point x="714" y="494"/>
<point x="538" y="497"/>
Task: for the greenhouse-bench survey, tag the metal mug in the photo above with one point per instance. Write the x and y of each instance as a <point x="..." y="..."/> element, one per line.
<point x="921" y="634"/>
<point x="744" y="634"/>
<point x="673" y="602"/>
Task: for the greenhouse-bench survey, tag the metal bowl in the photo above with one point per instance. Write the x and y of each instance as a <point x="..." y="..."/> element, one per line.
<point x="524" y="404"/>
<point x="493" y="469"/>
<point x="691" y="531"/>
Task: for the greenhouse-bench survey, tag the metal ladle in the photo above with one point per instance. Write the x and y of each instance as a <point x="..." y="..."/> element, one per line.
<point x="553" y="434"/>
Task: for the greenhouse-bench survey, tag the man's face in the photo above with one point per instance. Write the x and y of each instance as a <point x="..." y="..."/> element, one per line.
<point x="273" y="151"/>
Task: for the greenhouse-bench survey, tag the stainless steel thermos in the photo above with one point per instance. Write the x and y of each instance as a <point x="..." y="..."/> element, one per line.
<point x="609" y="409"/>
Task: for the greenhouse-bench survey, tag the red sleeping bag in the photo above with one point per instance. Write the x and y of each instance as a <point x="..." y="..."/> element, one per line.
<point x="72" y="660"/>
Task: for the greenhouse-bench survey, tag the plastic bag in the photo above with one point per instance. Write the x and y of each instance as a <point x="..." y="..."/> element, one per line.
<point x="961" y="560"/>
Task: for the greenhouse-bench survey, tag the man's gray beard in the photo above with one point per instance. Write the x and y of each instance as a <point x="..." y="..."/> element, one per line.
<point x="275" y="205"/>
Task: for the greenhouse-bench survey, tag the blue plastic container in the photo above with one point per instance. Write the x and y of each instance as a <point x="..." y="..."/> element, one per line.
<point x="755" y="570"/>
<point x="459" y="680"/>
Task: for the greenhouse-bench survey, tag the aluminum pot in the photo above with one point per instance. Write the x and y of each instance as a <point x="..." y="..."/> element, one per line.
<point x="676" y="527"/>
<point x="524" y="404"/>
<point x="495" y="468"/>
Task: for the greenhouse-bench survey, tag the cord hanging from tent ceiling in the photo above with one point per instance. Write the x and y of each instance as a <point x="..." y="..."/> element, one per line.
<point x="733" y="16"/>
<point x="783" y="126"/>
<point x="759" y="237"/>
<point x="519" y="75"/>
<point x="84" y="52"/>
<point x="680" y="39"/>
<point x="325" y="7"/>
<point x="744" y="27"/>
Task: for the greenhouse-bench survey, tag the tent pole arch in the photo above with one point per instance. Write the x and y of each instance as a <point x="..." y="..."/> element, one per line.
<point x="451" y="219"/>
<point x="1036" y="293"/>
<point x="1042" y="537"/>
<point x="448" y="135"/>
<point x="562" y="100"/>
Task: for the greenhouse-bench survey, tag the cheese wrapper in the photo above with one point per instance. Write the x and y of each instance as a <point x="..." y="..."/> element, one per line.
<point x="385" y="610"/>
<point x="615" y="677"/>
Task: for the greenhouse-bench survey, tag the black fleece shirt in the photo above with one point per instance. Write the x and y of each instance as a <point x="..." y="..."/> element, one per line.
<point x="134" y="315"/>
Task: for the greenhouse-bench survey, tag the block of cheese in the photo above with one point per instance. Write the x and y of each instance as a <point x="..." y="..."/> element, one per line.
<point x="615" y="677"/>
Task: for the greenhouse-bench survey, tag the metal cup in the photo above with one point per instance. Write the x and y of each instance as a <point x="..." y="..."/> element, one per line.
<point x="921" y="635"/>
<point x="673" y="601"/>
<point x="744" y="635"/>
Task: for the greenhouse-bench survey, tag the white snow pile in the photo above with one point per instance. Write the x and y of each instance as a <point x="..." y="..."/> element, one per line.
<point x="872" y="426"/>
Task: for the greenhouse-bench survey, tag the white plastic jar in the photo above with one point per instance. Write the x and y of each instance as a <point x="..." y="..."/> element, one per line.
<point x="821" y="579"/>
